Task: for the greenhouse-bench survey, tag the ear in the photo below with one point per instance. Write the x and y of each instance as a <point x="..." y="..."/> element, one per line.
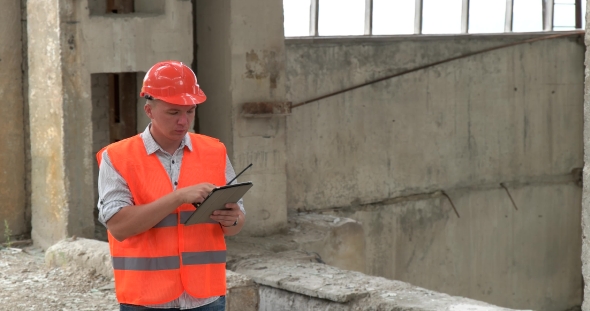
<point x="148" y="110"/>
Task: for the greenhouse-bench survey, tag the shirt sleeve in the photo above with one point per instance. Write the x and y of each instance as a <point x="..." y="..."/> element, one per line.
<point x="229" y="175"/>
<point x="113" y="191"/>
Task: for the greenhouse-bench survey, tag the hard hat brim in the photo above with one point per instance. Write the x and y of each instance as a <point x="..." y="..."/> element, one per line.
<point x="184" y="99"/>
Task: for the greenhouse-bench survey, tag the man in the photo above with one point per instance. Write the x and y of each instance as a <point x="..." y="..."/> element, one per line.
<point x="147" y="184"/>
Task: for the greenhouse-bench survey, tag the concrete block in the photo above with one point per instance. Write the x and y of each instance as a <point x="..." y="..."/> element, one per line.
<point x="85" y="253"/>
<point x="242" y="293"/>
<point x="296" y="285"/>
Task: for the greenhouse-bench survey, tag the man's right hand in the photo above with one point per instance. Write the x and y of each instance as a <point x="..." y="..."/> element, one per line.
<point x="196" y="193"/>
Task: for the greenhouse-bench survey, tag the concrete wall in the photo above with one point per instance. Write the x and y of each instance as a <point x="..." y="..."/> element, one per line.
<point x="12" y="136"/>
<point x="66" y="46"/>
<point x="586" y="176"/>
<point x="382" y="153"/>
<point x="241" y="59"/>
<point x="524" y="259"/>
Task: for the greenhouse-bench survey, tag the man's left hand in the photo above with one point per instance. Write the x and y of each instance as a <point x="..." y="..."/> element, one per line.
<point x="227" y="217"/>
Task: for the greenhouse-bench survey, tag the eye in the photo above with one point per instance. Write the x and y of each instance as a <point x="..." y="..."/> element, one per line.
<point x="173" y="112"/>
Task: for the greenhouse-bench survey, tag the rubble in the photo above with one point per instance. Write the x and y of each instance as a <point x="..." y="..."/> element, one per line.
<point x="27" y="283"/>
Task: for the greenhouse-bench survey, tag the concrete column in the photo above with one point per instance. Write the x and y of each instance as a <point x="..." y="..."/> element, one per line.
<point x="60" y="121"/>
<point x="69" y="41"/>
<point x="586" y="180"/>
<point x="12" y="150"/>
<point x="241" y="58"/>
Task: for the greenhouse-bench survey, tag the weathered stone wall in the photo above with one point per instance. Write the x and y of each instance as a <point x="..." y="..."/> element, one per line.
<point x="383" y="154"/>
<point x="12" y="136"/>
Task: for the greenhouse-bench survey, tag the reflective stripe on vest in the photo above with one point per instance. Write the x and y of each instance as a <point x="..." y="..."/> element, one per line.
<point x="201" y="258"/>
<point x="168" y="262"/>
<point x="146" y="264"/>
<point x="166" y="257"/>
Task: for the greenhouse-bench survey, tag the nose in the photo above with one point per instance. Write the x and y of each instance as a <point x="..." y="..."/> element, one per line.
<point x="183" y="119"/>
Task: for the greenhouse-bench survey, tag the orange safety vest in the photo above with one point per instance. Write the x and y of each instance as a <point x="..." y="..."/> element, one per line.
<point x="158" y="265"/>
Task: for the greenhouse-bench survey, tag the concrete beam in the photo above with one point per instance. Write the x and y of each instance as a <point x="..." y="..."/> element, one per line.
<point x="134" y="42"/>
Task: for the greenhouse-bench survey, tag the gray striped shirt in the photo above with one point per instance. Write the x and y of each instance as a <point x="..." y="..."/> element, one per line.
<point x="114" y="194"/>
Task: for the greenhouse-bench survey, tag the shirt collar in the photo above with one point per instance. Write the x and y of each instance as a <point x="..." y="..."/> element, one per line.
<point x="152" y="146"/>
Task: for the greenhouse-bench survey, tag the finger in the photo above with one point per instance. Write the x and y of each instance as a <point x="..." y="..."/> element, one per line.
<point x="220" y="218"/>
<point x="223" y="220"/>
<point x="200" y="198"/>
<point x="233" y="206"/>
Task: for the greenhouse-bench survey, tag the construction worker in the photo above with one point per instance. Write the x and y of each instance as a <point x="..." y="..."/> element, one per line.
<point x="147" y="184"/>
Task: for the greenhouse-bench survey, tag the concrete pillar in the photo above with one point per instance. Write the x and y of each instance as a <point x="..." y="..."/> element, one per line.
<point x="586" y="177"/>
<point x="68" y="42"/>
<point x="60" y="121"/>
<point x="241" y="58"/>
<point x="12" y="136"/>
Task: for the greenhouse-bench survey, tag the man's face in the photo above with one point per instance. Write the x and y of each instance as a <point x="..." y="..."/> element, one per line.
<point x="171" y="121"/>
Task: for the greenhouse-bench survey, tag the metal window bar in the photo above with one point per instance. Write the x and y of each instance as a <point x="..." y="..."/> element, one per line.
<point x="418" y="18"/>
<point x="548" y="15"/>
<point x="368" y="17"/>
<point x="579" y="15"/>
<point x="548" y="12"/>
<point x="465" y="17"/>
<point x="509" y="16"/>
<point x="314" y="11"/>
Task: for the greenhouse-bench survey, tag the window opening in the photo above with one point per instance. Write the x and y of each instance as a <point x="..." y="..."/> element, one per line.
<point x="393" y="17"/>
<point x="527" y="16"/>
<point x="441" y="17"/>
<point x="296" y="14"/>
<point x="487" y="16"/>
<point x="341" y="18"/>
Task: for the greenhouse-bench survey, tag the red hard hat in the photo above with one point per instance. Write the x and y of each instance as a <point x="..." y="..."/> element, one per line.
<point x="172" y="82"/>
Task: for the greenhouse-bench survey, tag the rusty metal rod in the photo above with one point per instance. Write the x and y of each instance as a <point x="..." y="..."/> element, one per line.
<point x="510" y="196"/>
<point x="451" y="201"/>
<point x="565" y="34"/>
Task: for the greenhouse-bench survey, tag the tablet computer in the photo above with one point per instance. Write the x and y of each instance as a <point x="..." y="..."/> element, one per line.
<point x="216" y="201"/>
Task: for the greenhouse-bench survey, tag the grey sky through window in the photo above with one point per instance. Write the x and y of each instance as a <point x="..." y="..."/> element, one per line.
<point x="396" y="17"/>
